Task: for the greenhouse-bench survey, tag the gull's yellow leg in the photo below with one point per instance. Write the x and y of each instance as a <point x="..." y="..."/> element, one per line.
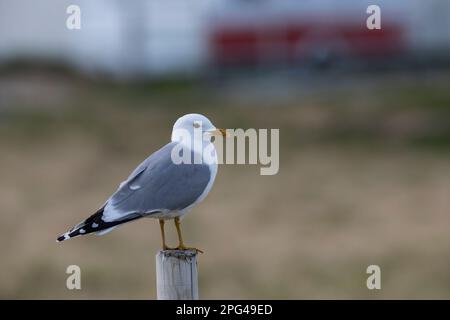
<point x="181" y="245"/>
<point x="163" y="235"/>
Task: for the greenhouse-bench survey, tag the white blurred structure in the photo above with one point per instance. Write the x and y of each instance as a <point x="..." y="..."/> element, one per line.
<point x="154" y="37"/>
<point x="116" y="36"/>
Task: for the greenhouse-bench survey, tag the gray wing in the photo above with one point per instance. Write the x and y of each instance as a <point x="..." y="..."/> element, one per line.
<point x="158" y="184"/>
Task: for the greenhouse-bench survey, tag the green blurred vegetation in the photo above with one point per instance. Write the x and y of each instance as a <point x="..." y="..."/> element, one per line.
<point x="385" y="109"/>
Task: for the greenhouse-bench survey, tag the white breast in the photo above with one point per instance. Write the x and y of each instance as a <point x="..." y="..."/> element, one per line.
<point x="213" y="171"/>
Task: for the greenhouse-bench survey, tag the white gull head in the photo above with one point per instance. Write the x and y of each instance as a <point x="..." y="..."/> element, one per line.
<point x="188" y="123"/>
<point x="193" y="132"/>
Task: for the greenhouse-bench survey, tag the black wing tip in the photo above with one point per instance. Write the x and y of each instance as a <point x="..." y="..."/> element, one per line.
<point x="85" y="226"/>
<point x="62" y="238"/>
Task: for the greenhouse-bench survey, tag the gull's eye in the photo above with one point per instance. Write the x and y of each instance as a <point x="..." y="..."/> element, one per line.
<point x="196" y="125"/>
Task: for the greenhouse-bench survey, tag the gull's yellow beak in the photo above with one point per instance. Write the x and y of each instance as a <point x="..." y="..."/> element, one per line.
<point x="218" y="132"/>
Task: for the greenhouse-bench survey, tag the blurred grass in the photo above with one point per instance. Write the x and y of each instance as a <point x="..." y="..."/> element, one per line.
<point x="364" y="179"/>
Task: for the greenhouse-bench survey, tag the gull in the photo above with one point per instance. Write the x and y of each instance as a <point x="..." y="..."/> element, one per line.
<point x="166" y="185"/>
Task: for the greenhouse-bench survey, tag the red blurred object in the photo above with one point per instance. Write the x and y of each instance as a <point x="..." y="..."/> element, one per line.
<point x="299" y="42"/>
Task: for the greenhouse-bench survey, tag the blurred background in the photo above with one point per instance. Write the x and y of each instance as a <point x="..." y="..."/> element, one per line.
<point x="364" y="119"/>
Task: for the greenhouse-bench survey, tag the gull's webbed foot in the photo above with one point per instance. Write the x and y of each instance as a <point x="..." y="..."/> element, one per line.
<point x="183" y="247"/>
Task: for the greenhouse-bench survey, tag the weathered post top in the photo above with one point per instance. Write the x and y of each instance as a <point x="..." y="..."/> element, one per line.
<point x="176" y="275"/>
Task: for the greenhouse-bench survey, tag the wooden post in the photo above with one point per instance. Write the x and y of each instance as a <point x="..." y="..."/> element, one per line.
<point x="176" y="275"/>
